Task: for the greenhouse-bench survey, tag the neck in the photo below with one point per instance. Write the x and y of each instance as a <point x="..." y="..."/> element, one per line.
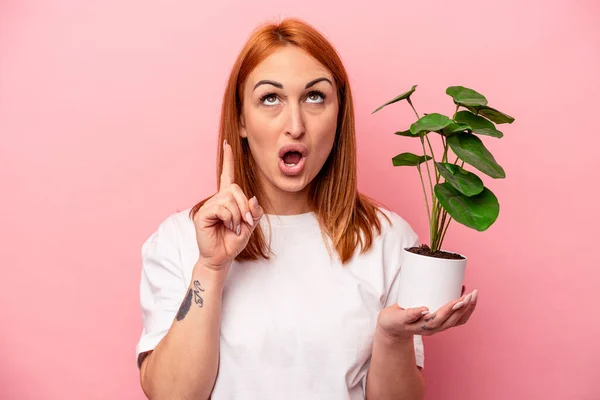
<point x="286" y="203"/>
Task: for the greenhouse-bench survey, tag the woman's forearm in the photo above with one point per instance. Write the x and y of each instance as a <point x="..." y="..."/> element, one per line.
<point x="184" y="364"/>
<point x="393" y="373"/>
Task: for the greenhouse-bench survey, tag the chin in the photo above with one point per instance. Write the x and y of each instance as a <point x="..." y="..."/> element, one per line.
<point x="291" y="185"/>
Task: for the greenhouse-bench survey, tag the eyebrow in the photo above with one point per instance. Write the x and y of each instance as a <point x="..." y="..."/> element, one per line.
<point x="280" y="86"/>
<point x="266" y="82"/>
<point x="314" y="82"/>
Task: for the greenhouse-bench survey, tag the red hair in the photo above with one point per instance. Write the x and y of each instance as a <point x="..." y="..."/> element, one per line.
<point x="346" y="216"/>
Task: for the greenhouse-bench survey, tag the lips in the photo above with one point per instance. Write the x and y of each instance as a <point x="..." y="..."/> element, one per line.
<point x="295" y="152"/>
<point x="298" y="148"/>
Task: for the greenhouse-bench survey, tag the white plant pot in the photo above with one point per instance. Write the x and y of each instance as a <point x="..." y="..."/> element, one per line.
<point x="429" y="281"/>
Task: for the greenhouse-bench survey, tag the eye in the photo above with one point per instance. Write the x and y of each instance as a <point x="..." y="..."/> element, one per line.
<point x="315" y="97"/>
<point x="269" y="99"/>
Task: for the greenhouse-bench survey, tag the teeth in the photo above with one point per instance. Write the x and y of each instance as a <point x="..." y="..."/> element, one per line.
<point x="289" y="165"/>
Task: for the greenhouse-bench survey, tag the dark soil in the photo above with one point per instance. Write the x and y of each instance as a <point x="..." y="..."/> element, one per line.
<point x="424" y="250"/>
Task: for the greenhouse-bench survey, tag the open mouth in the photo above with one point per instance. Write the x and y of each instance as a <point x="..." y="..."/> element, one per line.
<point x="292" y="159"/>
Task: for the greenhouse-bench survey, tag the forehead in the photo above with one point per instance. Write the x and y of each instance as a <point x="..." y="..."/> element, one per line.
<point x="289" y="64"/>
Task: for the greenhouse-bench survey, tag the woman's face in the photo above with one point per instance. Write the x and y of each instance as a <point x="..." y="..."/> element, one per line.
<point x="289" y="117"/>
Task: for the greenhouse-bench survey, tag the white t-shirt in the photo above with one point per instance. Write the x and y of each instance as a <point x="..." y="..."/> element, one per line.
<point x="297" y="326"/>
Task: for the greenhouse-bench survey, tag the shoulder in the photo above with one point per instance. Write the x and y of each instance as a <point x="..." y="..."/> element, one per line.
<point x="172" y="228"/>
<point x="395" y="228"/>
<point x="181" y="221"/>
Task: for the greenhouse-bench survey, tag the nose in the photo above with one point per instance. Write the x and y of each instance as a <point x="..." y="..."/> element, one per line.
<point x="295" y="122"/>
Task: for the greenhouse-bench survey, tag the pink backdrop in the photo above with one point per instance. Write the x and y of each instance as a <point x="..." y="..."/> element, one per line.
<point x="108" y="118"/>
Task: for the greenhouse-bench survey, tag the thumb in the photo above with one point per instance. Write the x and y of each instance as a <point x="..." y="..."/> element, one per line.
<point x="413" y="314"/>
<point x="256" y="210"/>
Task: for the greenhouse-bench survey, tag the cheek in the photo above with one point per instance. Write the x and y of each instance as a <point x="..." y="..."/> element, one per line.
<point x="323" y="137"/>
<point x="262" y="136"/>
<point x="323" y="128"/>
<point x="257" y="129"/>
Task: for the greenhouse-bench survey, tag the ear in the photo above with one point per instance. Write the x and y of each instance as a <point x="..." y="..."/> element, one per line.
<point x="243" y="132"/>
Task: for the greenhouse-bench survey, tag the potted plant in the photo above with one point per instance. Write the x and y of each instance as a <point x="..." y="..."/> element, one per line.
<point x="431" y="276"/>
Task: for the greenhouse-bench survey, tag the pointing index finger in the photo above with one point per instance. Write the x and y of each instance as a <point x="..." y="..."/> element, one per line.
<point x="227" y="174"/>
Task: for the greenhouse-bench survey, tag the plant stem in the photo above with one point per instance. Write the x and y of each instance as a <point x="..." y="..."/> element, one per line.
<point x="430" y="212"/>
<point x="437" y="175"/>
<point x="413" y="107"/>
<point x="432" y="222"/>
<point x="444" y="231"/>
<point x="440" y="214"/>
<point x="434" y="200"/>
<point x="445" y="155"/>
<point x="440" y="220"/>
<point x="442" y="227"/>
<point x="425" y="193"/>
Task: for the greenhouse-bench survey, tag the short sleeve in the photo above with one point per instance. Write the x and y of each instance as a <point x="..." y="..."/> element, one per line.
<point x="392" y="295"/>
<point x="405" y="237"/>
<point x="162" y="286"/>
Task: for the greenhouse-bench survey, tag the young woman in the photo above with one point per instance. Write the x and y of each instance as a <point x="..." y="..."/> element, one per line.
<point x="282" y="285"/>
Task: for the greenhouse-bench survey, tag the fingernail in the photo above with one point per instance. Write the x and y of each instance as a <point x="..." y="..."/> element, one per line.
<point x="425" y="312"/>
<point x="467" y="299"/>
<point x="238" y="230"/>
<point x="474" y="298"/>
<point x="458" y="305"/>
<point x="231" y="226"/>
<point x="249" y="219"/>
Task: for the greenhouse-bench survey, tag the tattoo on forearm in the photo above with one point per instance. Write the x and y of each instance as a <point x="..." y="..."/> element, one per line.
<point x="185" y="306"/>
<point x="187" y="302"/>
<point x="197" y="299"/>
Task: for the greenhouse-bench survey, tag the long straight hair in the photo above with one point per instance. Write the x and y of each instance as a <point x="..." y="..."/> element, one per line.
<point x="347" y="217"/>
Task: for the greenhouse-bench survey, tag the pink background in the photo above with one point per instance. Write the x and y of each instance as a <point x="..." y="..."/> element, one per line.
<point x="108" y="119"/>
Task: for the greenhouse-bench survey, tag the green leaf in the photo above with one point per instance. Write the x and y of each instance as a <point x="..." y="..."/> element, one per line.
<point x="466" y="97"/>
<point x="471" y="150"/>
<point x="401" y="97"/>
<point x="492" y="114"/>
<point x="430" y="123"/>
<point x="478" y="124"/>
<point x="405" y="133"/>
<point x="409" y="159"/>
<point x="455" y="128"/>
<point x="478" y="212"/>
<point x="462" y="180"/>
